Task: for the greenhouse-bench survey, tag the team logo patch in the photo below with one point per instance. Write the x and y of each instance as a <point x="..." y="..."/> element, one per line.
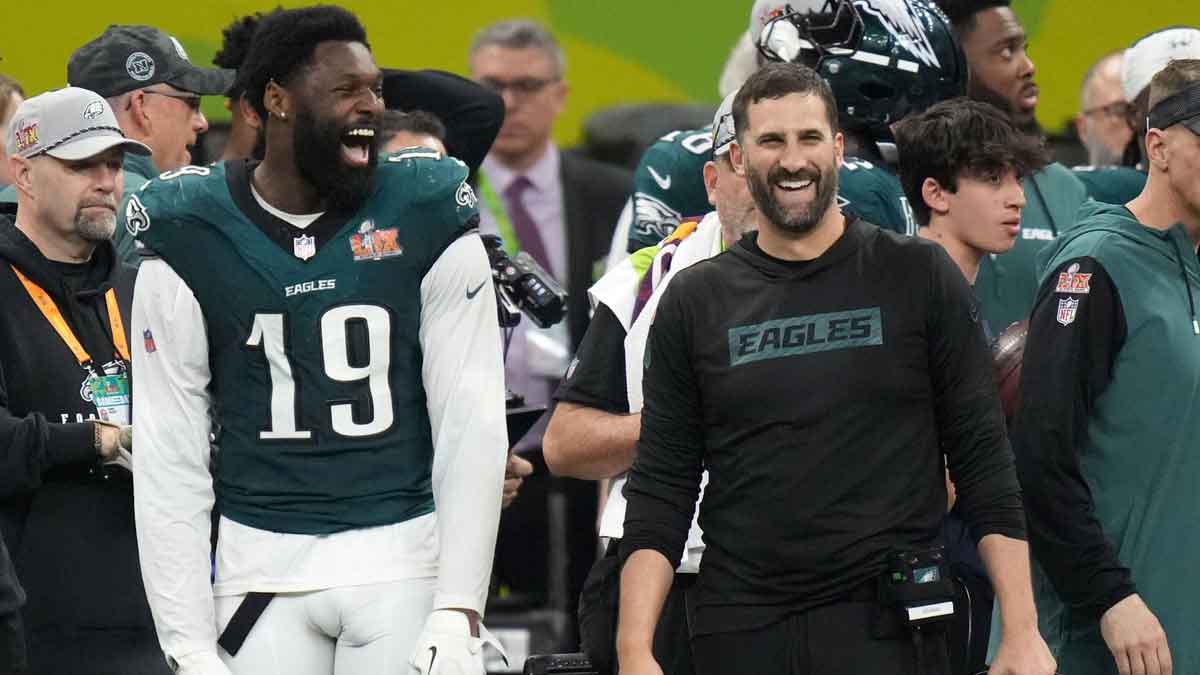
<point x="1067" y="309"/>
<point x="372" y="244"/>
<point x="137" y="218"/>
<point x="140" y="66"/>
<point x="1074" y="281"/>
<point x="304" y="246"/>
<point x="27" y="137"/>
<point x="652" y="218"/>
<point x="465" y="196"/>
<point x="148" y="341"/>
<point x="93" y="110"/>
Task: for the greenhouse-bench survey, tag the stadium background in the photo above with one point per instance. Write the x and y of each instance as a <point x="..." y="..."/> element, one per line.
<point x="618" y="51"/>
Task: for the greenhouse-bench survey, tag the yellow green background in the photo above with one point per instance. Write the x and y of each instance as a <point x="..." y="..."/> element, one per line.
<point x="618" y="51"/>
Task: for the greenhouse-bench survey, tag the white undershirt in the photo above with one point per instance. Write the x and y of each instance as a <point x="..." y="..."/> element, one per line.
<point x="295" y="220"/>
<point x="462" y="373"/>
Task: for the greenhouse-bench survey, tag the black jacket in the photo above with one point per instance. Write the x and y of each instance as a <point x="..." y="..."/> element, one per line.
<point x="67" y="523"/>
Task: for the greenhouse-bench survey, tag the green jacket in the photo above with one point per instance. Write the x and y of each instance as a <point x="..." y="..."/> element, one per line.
<point x="1007" y="283"/>
<point x="1140" y="456"/>
<point x="1111" y="184"/>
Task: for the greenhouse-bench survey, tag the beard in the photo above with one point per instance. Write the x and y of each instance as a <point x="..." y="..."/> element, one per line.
<point x="825" y="183"/>
<point x="1025" y="122"/>
<point x="317" y="144"/>
<point x="95" y="228"/>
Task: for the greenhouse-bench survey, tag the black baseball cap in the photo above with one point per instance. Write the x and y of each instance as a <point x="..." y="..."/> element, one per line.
<point x="128" y="57"/>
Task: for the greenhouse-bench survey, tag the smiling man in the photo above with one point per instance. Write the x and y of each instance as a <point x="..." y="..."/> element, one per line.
<point x="330" y="316"/>
<point x="798" y="369"/>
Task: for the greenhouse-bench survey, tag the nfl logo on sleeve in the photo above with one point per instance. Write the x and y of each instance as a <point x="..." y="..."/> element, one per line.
<point x="1066" y="311"/>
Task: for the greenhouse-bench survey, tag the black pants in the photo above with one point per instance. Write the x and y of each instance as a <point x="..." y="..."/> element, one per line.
<point x="672" y="639"/>
<point x="833" y="640"/>
<point x="598" y="606"/>
<point x="96" y="652"/>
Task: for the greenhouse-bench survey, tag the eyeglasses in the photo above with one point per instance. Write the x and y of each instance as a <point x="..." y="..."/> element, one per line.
<point x="1115" y="110"/>
<point x="191" y="100"/>
<point x="521" y="88"/>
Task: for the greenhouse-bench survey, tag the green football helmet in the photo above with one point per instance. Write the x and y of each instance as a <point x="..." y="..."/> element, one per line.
<point x="884" y="59"/>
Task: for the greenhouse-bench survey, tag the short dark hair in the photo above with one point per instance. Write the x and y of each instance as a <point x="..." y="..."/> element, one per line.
<point x="776" y="80"/>
<point x="960" y="138"/>
<point x="236" y="39"/>
<point x="414" y="122"/>
<point x="962" y="12"/>
<point x="285" y="42"/>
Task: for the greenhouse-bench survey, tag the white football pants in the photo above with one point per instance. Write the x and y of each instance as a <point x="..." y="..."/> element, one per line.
<point x="354" y="630"/>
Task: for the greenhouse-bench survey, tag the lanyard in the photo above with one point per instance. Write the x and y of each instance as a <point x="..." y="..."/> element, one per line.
<point x="55" y="317"/>
<point x="507" y="235"/>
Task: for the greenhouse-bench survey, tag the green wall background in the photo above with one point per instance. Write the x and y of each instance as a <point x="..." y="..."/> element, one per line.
<point x="618" y="51"/>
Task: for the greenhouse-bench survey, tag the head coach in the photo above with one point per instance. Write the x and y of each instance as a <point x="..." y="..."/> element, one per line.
<point x="819" y="370"/>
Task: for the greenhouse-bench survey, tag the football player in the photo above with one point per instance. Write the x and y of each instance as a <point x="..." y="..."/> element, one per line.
<point x="851" y="44"/>
<point x="331" y="319"/>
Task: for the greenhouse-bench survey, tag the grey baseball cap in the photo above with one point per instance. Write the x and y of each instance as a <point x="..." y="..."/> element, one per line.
<point x="70" y="124"/>
<point x="723" y="133"/>
<point x="127" y="57"/>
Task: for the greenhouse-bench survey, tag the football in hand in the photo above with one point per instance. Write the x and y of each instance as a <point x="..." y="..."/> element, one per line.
<point x="1008" y="351"/>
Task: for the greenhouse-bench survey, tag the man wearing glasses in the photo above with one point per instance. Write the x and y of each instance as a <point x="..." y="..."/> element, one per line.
<point x="559" y="207"/>
<point x="155" y="92"/>
<point x="1105" y="131"/>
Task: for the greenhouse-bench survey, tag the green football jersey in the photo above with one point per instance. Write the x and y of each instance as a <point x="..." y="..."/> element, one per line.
<point x="872" y="192"/>
<point x="669" y="185"/>
<point x="314" y="353"/>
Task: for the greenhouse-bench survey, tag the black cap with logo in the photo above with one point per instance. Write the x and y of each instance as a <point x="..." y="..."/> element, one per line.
<point x="125" y="58"/>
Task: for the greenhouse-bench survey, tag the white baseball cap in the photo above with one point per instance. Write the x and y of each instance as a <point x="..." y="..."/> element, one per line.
<point x="69" y="123"/>
<point x="723" y="132"/>
<point x="1152" y="53"/>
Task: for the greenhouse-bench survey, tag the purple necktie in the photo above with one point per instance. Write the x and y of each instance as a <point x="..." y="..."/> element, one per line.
<point x="528" y="237"/>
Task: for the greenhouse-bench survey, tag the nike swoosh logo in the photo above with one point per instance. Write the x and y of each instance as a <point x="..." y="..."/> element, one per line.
<point x="472" y="294"/>
<point x="664" y="183"/>
<point x="432" y="658"/>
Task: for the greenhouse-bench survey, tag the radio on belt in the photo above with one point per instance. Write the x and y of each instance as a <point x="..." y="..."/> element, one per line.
<point x="919" y="585"/>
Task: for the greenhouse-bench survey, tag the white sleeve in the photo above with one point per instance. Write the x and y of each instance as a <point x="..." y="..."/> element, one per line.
<point x="172" y="486"/>
<point x="618" y="248"/>
<point x="463" y="373"/>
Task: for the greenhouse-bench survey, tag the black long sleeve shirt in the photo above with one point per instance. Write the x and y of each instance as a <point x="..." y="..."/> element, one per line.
<point x="1067" y="366"/>
<point x="820" y="396"/>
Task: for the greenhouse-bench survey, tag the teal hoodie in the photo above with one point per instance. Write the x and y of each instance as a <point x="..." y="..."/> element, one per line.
<point x="1141" y="454"/>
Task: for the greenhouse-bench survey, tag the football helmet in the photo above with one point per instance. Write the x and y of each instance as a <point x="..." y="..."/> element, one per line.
<point x="884" y="59"/>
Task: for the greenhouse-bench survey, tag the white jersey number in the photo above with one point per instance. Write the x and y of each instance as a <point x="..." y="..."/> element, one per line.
<point x="267" y="334"/>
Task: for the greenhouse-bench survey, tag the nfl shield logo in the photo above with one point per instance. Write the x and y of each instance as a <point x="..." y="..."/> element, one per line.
<point x="1066" y="311"/>
<point x="304" y="246"/>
